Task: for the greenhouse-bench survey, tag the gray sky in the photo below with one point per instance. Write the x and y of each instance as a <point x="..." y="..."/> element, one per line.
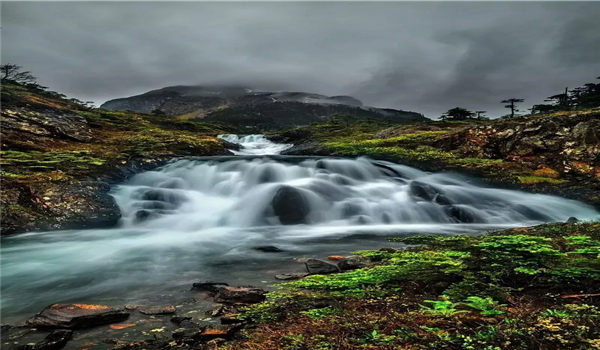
<point x="426" y="57"/>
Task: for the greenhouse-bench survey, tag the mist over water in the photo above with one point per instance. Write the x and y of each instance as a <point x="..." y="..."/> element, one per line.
<point x="200" y="219"/>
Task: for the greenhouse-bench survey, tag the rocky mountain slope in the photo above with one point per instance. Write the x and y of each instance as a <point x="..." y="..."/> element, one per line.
<point x="59" y="158"/>
<point x="253" y="109"/>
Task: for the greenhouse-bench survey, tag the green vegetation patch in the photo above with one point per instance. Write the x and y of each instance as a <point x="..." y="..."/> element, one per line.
<point x="525" y="288"/>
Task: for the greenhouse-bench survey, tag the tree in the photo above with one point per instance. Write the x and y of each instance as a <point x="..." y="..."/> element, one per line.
<point x="457" y="113"/>
<point x="13" y="73"/>
<point x="511" y="104"/>
<point x="481" y="115"/>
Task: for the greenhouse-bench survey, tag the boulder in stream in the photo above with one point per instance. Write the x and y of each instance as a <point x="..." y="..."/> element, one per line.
<point x="160" y="310"/>
<point x="290" y="206"/>
<point x="318" y="266"/>
<point x="209" y="286"/>
<point x="291" y="276"/>
<point x="246" y="295"/>
<point x="353" y="262"/>
<point x="76" y="316"/>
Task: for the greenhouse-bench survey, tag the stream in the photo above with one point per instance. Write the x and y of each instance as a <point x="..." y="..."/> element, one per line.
<point x="201" y="219"/>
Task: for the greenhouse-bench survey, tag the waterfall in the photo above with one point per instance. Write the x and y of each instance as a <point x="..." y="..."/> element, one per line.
<point x="200" y="219"/>
<point x="192" y="195"/>
<point x="254" y="144"/>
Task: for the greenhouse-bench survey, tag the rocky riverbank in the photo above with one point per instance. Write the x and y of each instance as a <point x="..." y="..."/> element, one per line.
<point x="537" y="289"/>
<point x="553" y="154"/>
<point x="60" y="158"/>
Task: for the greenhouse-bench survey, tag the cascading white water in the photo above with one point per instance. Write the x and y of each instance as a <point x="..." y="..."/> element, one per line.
<point x="195" y="220"/>
<point x="254" y="144"/>
<point x="190" y="195"/>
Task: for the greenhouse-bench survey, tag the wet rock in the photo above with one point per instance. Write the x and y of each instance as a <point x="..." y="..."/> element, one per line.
<point x="231" y="145"/>
<point x="387" y="249"/>
<point x="5" y="327"/>
<point x="149" y="344"/>
<point x="442" y="199"/>
<point x="179" y="319"/>
<point x="54" y="341"/>
<point x="208" y="286"/>
<point x="423" y="190"/>
<point x="461" y="214"/>
<point x="60" y="205"/>
<point x="230" y="319"/>
<point x="222" y="309"/>
<point x="572" y="220"/>
<point x="290" y="206"/>
<point x="162" y="310"/>
<point x="246" y="295"/>
<point x="291" y="276"/>
<point x="217" y="331"/>
<point x="76" y="316"/>
<point x="268" y="249"/>
<point x="308" y="148"/>
<point x="353" y="262"/>
<point x="318" y="266"/>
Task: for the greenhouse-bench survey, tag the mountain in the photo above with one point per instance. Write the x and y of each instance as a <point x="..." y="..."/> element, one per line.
<point x="253" y="109"/>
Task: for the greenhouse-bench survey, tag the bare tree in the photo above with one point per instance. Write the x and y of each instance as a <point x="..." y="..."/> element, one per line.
<point x="14" y="73"/>
<point x="511" y="104"/>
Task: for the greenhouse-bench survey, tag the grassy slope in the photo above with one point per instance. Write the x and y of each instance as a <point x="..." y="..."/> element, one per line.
<point x="34" y="163"/>
<point x="433" y="147"/>
<point x="527" y="288"/>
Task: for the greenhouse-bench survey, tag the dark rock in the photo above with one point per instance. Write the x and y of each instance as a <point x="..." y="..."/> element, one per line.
<point x="290" y="206"/>
<point x="291" y="276"/>
<point x="318" y="266"/>
<point x="231" y="145"/>
<point x="423" y="190"/>
<point x="221" y="309"/>
<point x="442" y="199"/>
<point x="54" y="341"/>
<point x="268" y="249"/>
<point x="353" y="262"/>
<point x="240" y="295"/>
<point x="461" y="214"/>
<point x="308" y="148"/>
<point x="230" y="319"/>
<point x="208" y="286"/>
<point x="217" y="331"/>
<point x="387" y="249"/>
<point x="62" y="205"/>
<point x="76" y="316"/>
<point x="163" y="310"/>
<point x="178" y="319"/>
<point x="572" y="220"/>
<point x="5" y="326"/>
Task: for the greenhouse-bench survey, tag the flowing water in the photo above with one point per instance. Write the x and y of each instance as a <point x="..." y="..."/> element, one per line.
<point x="254" y="144"/>
<point x="201" y="219"/>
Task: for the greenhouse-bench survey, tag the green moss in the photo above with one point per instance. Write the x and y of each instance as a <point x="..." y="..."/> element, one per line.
<point x="531" y="180"/>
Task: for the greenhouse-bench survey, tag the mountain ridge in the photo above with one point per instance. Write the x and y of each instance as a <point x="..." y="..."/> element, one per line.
<point x="253" y="108"/>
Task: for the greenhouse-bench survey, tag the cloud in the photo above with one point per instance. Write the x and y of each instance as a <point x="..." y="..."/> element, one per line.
<point x="426" y="57"/>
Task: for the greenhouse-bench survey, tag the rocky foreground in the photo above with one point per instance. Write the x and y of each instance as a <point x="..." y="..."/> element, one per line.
<point x="524" y="288"/>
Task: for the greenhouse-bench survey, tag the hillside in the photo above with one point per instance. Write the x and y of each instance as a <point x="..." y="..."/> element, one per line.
<point x="554" y="153"/>
<point x="59" y="157"/>
<point x="253" y="110"/>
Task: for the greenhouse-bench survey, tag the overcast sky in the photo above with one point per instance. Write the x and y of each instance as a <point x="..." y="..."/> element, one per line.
<point x="425" y="57"/>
